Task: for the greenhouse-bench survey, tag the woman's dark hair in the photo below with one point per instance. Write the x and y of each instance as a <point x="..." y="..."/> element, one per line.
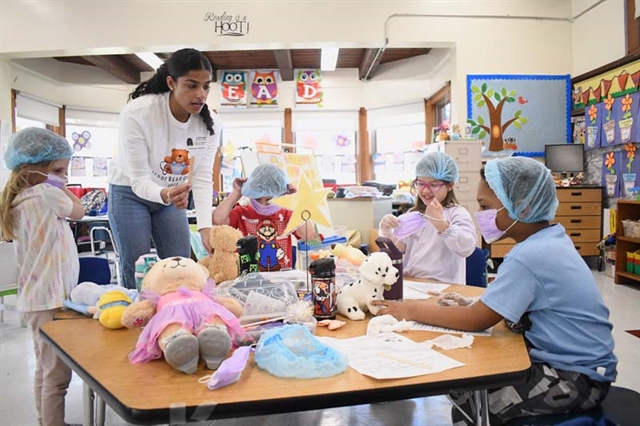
<point x="178" y="64"/>
<point x="482" y="174"/>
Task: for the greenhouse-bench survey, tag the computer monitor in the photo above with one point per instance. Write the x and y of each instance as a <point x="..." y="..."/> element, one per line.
<point x="564" y="158"/>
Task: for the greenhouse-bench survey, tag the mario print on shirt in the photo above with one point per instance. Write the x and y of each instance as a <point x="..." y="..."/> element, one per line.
<point x="177" y="163"/>
<point x="269" y="253"/>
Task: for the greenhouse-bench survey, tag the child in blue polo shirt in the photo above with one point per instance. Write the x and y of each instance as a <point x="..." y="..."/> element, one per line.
<point x="543" y="289"/>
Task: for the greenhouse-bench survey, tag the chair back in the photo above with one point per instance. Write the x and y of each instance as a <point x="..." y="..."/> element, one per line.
<point x="477" y="268"/>
<point x="8" y="267"/>
<point x="95" y="270"/>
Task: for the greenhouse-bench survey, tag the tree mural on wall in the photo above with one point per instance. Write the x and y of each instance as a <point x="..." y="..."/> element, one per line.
<point x="485" y="97"/>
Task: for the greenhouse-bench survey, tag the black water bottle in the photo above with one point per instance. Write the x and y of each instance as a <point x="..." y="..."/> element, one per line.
<point x="323" y="288"/>
<point x="247" y="254"/>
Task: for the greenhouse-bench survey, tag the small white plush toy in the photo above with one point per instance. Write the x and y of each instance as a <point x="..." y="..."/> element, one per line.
<point x="355" y="299"/>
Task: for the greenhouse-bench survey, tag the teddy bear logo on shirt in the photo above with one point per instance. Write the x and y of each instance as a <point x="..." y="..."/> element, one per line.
<point x="177" y="163"/>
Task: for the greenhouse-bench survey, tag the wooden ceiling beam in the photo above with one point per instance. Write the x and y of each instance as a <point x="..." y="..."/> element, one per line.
<point x="285" y="63"/>
<point x="115" y="65"/>
<point x="367" y="63"/>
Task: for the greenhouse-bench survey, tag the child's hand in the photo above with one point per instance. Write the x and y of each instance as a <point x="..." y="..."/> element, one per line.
<point x="400" y="310"/>
<point x="388" y="223"/>
<point x="238" y="183"/>
<point x="435" y="210"/>
<point x="435" y="214"/>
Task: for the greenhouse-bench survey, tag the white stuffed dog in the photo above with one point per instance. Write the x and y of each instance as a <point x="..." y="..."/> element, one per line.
<point x="355" y="299"/>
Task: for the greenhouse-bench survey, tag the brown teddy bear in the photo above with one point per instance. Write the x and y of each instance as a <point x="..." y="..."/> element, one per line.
<point x="223" y="263"/>
<point x="184" y="321"/>
<point x="178" y="163"/>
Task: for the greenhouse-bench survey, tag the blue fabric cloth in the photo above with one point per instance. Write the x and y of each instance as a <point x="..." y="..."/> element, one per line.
<point x="545" y="278"/>
<point x="135" y="221"/>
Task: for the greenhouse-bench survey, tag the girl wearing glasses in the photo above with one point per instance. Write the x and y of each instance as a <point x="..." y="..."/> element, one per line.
<point x="437" y="234"/>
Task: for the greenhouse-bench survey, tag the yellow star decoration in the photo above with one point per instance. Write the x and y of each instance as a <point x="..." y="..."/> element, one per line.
<point x="304" y="199"/>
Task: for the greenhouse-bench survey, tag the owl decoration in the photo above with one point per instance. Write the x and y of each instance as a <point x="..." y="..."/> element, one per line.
<point x="234" y="88"/>
<point x="309" y="87"/>
<point x="264" y="88"/>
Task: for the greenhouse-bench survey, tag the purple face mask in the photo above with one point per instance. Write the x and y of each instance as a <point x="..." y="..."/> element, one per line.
<point x="229" y="371"/>
<point x="263" y="210"/>
<point x="53" y="180"/>
<point x="410" y="223"/>
<point x="487" y="223"/>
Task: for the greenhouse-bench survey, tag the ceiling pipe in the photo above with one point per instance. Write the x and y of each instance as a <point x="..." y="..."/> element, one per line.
<point x="435" y="15"/>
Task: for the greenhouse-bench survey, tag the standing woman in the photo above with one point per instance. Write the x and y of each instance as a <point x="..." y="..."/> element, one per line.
<point x="166" y="146"/>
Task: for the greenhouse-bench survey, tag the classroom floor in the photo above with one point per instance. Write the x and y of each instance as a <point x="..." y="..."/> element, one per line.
<point x="17" y="366"/>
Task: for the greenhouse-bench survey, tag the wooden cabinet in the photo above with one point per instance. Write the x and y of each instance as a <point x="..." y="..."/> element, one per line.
<point x="580" y="212"/>
<point x="626" y="210"/>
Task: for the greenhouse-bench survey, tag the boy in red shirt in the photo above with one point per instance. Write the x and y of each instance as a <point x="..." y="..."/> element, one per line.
<point x="262" y="219"/>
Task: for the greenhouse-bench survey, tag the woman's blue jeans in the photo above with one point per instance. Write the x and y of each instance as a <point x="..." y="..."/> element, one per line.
<point x="134" y="222"/>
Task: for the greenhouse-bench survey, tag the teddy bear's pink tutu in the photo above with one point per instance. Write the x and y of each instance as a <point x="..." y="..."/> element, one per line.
<point x="190" y="309"/>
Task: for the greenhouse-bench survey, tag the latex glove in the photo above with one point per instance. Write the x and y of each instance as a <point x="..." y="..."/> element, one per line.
<point x="455" y="299"/>
<point x="388" y="223"/>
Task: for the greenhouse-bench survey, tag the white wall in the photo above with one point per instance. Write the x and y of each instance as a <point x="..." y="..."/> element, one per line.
<point x="598" y="35"/>
<point x="481" y="45"/>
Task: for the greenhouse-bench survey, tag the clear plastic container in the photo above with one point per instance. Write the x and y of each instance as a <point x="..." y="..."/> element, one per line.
<point x="631" y="228"/>
<point x="312" y="251"/>
<point x="262" y="297"/>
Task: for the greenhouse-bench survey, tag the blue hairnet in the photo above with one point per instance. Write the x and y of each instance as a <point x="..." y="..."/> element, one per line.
<point x="34" y="145"/>
<point x="439" y="166"/>
<point x="265" y="181"/>
<point x="524" y="186"/>
<point x="292" y="351"/>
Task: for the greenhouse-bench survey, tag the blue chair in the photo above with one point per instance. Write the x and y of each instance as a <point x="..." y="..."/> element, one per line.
<point x="95" y="270"/>
<point x="477" y="268"/>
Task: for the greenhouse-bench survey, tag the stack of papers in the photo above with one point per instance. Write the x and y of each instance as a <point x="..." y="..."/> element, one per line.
<point x="418" y="290"/>
<point x="391" y="356"/>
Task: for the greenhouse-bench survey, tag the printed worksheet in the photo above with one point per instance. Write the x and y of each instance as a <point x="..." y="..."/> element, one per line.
<point x="391" y="356"/>
<point x="418" y="290"/>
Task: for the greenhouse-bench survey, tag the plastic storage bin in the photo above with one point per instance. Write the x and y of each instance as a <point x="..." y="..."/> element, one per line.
<point x="303" y="250"/>
<point x="262" y="296"/>
<point x="631" y="228"/>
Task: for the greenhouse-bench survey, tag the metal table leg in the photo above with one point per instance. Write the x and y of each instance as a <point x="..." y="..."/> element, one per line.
<point x="100" y="411"/>
<point x="88" y="400"/>
<point x="481" y="409"/>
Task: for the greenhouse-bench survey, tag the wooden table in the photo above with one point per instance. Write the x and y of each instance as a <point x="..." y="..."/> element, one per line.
<point x="155" y="393"/>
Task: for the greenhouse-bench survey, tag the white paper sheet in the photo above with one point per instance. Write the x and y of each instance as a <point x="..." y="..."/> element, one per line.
<point x="425" y="327"/>
<point x="391" y="356"/>
<point x="418" y="290"/>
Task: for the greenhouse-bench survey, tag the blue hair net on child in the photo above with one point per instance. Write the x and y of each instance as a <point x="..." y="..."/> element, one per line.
<point x="292" y="351"/>
<point x="439" y="166"/>
<point x="524" y="186"/>
<point x="34" y="145"/>
<point x="265" y="181"/>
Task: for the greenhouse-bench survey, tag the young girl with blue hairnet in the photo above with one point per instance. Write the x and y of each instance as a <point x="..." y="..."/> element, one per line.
<point x="33" y="211"/>
<point x="543" y="289"/>
<point x="260" y="218"/>
<point x="437" y="234"/>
